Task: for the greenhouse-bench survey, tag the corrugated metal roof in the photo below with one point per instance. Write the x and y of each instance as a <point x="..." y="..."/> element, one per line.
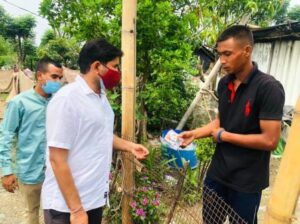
<point x="287" y="31"/>
<point x="282" y="60"/>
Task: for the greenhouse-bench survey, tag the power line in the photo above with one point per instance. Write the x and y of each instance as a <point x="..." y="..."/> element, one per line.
<point x="19" y="7"/>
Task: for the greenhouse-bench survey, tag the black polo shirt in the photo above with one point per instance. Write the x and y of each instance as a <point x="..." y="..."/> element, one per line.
<point x="260" y="97"/>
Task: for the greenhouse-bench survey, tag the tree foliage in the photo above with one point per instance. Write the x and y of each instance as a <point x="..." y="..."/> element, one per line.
<point x="64" y="50"/>
<point x="19" y="32"/>
<point x="7" y="55"/>
<point x="47" y="36"/>
<point x="281" y="15"/>
<point x="4" y="19"/>
<point x="83" y="19"/>
<point x="294" y="13"/>
<point x="287" y="14"/>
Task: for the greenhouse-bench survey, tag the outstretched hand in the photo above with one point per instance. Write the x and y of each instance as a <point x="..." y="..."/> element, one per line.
<point x="139" y="151"/>
<point x="187" y="137"/>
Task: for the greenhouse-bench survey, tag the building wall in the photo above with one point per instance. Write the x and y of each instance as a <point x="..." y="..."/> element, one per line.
<point x="282" y="60"/>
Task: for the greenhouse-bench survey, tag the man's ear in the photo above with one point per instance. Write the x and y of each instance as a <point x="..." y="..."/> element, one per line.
<point x="38" y="75"/>
<point x="248" y="50"/>
<point x="95" y="65"/>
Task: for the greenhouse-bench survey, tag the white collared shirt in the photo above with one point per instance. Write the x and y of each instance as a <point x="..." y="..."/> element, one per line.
<point x="80" y="121"/>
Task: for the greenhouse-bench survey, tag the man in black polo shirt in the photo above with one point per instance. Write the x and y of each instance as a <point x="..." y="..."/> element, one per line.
<point x="246" y="130"/>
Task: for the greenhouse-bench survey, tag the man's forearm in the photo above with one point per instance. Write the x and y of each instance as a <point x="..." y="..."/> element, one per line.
<point x="5" y="153"/>
<point x="66" y="183"/>
<point x="253" y="141"/>
<point x="207" y="130"/>
<point x="121" y="144"/>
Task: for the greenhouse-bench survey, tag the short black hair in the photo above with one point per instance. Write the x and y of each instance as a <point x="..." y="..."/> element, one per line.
<point x="43" y="63"/>
<point x="238" y="32"/>
<point x="97" y="50"/>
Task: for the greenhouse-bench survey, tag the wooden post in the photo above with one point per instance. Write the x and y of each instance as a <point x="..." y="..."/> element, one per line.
<point x="285" y="192"/>
<point x="179" y="187"/>
<point x="189" y="111"/>
<point x="128" y="99"/>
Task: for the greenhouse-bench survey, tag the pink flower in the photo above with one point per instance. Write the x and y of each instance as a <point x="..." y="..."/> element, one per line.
<point x="133" y="204"/>
<point x="157" y="196"/>
<point x="155" y="202"/>
<point x="145" y="201"/>
<point x="145" y="189"/>
<point x="140" y="212"/>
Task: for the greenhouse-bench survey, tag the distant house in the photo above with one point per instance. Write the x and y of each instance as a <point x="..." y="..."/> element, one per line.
<point x="277" y="52"/>
<point x="206" y="57"/>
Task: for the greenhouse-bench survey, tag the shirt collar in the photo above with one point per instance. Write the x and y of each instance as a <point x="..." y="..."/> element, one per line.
<point x="231" y="77"/>
<point x="102" y="89"/>
<point x="252" y="73"/>
<point x="85" y="87"/>
<point x="44" y="99"/>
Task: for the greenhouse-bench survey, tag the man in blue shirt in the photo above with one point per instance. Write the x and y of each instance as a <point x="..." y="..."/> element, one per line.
<point x="24" y="119"/>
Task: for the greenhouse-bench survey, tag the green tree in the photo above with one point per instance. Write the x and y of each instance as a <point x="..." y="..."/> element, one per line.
<point x="7" y="55"/>
<point x="294" y="13"/>
<point x="281" y="15"/>
<point x="4" y="19"/>
<point x="20" y="31"/>
<point x="60" y="49"/>
<point x="214" y="15"/>
<point x="83" y="19"/>
<point x="48" y="35"/>
<point x="165" y="63"/>
<point x="31" y="54"/>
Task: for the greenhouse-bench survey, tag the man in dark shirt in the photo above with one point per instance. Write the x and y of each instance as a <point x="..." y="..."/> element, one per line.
<point x="246" y="129"/>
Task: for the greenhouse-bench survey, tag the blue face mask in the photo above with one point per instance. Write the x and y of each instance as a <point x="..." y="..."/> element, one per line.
<point x="51" y="87"/>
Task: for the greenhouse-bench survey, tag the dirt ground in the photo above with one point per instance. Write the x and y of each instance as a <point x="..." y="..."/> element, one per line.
<point x="12" y="210"/>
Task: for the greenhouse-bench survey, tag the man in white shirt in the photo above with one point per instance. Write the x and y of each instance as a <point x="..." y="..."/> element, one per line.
<point x="80" y="140"/>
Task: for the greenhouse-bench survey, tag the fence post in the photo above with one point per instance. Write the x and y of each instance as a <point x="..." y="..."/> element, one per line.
<point x="285" y="192"/>
<point x="128" y="99"/>
<point x="179" y="188"/>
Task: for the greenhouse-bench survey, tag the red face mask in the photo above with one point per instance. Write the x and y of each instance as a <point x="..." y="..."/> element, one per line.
<point x="111" y="78"/>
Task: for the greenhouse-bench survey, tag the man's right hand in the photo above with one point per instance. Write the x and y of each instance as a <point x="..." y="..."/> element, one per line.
<point x="79" y="217"/>
<point x="187" y="138"/>
<point x="10" y="183"/>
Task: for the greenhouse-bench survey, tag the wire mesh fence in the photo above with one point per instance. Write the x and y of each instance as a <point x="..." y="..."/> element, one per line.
<point x="164" y="194"/>
<point x="216" y="211"/>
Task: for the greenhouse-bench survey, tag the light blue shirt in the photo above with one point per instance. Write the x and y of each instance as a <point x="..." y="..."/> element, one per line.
<point x="24" y="118"/>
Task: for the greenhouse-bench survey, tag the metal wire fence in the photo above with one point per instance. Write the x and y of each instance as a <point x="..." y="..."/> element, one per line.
<point x="163" y="194"/>
<point x="216" y="211"/>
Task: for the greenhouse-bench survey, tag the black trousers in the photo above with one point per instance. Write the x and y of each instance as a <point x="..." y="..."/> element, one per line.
<point x="55" y="217"/>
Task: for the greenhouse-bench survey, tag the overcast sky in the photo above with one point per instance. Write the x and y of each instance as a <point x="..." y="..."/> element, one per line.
<point x="42" y="24"/>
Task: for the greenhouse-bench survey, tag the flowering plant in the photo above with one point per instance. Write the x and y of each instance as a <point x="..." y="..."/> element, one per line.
<point x="146" y="206"/>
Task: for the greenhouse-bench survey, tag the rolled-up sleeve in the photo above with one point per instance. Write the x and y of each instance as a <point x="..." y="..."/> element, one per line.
<point x="61" y="123"/>
<point x="8" y="129"/>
